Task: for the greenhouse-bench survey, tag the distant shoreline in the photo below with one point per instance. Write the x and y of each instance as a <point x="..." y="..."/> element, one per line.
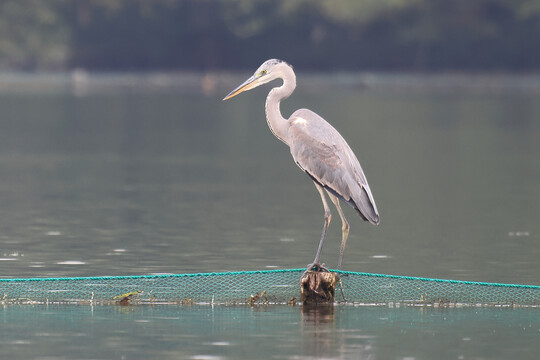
<point x="81" y="82"/>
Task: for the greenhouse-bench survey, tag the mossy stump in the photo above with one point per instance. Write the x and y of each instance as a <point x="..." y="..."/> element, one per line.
<point x="317" y="287"/>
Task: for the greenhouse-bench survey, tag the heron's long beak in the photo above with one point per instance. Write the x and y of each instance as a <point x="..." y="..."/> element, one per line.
<point x="246" y="85"/>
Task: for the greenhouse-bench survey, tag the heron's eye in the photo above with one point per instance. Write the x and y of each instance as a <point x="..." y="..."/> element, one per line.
<point x="263" y="72"/>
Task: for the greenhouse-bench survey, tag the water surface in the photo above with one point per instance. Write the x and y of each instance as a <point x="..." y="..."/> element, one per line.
<point x="149" y="182"/>
<point x="344" y="332"/>
<point x="143" y="182"/>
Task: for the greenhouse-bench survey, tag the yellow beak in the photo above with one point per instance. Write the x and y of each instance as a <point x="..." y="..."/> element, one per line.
<point x="246" y="85"/>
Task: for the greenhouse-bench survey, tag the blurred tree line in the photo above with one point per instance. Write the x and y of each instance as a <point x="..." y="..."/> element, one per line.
<point x="417" y="35"/>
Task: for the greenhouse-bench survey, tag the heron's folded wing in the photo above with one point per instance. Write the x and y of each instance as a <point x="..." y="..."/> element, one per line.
<point x="322" y="162"/>
<point x="331" y="165"/>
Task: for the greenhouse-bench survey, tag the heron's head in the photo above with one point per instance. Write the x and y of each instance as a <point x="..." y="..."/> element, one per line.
<point x="270" y="70"/>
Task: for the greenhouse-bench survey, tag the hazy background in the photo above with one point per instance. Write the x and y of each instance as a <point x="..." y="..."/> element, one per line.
<point x="373" y="35"/>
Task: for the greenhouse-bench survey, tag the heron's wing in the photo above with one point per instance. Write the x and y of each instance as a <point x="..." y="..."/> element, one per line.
<point x="324" y="155"/>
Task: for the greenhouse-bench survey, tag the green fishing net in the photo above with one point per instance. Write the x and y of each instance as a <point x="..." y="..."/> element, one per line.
<point x="262" y="287"/>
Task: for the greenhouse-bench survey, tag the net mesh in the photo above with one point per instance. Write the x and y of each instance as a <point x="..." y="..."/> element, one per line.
<point x="263" y="287"/>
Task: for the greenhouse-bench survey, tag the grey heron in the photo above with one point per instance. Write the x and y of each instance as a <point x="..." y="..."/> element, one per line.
<point x="318" y="149"/>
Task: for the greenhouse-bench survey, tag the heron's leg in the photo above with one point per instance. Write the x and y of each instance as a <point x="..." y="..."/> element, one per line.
<point x="327" y="219"/>
<point x="344" y="228"/>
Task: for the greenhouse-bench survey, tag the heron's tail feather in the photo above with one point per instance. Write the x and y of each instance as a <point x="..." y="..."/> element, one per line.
<point x="361" y="201"/>
<point x="366" y="208"/>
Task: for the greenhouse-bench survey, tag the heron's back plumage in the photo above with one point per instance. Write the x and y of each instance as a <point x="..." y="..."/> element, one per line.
<point x="326" y="157"/>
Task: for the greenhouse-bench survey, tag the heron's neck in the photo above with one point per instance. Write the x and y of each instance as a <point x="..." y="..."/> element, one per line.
<point x="277" y="123"/>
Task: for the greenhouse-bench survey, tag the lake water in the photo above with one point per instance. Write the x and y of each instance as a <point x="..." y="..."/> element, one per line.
<point x="207" y="333"/>
<point x="121" y="182"/>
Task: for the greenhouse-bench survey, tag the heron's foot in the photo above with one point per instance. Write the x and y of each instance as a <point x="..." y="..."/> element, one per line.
<point x="315" y="267"/>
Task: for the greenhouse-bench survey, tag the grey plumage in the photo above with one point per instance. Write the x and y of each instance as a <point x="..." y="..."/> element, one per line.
<point x="325" y="156"/>
<point x="317" y="148"/>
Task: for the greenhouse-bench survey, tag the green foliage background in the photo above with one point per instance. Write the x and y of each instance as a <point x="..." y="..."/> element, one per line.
<point x="409" y="35"/>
